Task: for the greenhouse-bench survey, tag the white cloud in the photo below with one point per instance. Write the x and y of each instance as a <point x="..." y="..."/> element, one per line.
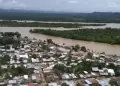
<point x="12" y="4"/>
<point x="63" y="5"/>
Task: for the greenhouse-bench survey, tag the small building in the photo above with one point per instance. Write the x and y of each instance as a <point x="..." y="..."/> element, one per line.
<point x="4" y="66"/>
<point x="26" y="77"/>
<point x="12" y="81"/>
<point x="52" y="84"/>
<point x="111" y="72"/>
<point x="95" y="69"/>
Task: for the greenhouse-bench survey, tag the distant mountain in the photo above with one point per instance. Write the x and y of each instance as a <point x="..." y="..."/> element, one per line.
<point x="12" y="14"/>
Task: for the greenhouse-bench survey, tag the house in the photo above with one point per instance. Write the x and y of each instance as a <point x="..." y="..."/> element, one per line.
<point x="103" y="72"/>
<point x="73" y="76"/>
<point x="85" y="72"/>
<point x="88" y="82"/>
<point x="35" y="60"/>
<point x="2" y="83"/>
<point x="24" y="56"/>
<point x="4" y="66"/>
<point x="12" y="81"/>
<point x="81" y="76"/>
<point x="52" y="84"/>
<point x="93" y="74"/>
<point x="104" y="82"/>
<point x="70" y="83"/>
<point x="33" y="77"/>
<point x="48" y="69"/>
<point x="30" y="84"/>
<point x="23" y="85"/>
<point x="36" y="71"/>
<point x="95" y="55"/>
<point x="95" y="69"/>
<point x="111" y="72"/>
<point x="65" y="76"/>
<point x="25" y="60"/>
<point x="9" y="85"/>
<point x="26" y="77"/>
<point x="93" y="81"/>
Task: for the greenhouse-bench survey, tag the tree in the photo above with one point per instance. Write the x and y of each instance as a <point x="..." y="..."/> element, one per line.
<point x="76" y="48"/>
<point x="29" y="60"/>
<point x="83" y="48"/>
<point x="49" y="41"/>
<point x="21" y="60"/>
<point x="60" y="67"/>
<point x="15" y="58"/>
<point x="113" y="83"/>
<point x="34" y="56"/>
<point x="22" y="45"/>
<point x="5" y="59"/>
<point x="96" y="84"/>
<point x="89" y="55"/>
<point x="111" y="65"/>
<point x="64" y="84"/>
<point x="78" y="84"/>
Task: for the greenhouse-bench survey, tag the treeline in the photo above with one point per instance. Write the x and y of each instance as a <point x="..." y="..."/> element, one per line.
<point x="9" y="38"/>
<point x="10" y="34"/>
<point x="37" y="24"/>
<point x="104" y="17"/>
<point x="108" y="35"/>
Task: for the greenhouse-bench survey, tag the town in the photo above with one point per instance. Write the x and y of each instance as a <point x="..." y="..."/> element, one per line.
<point x="32" y="62"/>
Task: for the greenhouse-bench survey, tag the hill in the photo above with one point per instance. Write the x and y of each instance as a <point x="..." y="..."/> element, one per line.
<point x="8" y="14"/>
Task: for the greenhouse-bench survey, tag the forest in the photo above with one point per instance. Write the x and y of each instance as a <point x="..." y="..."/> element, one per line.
<point x="107" y="35"/>
<point x="98" y="17"/>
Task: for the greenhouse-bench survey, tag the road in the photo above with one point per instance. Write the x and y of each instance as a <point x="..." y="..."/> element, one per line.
<point x="44" y="83"/>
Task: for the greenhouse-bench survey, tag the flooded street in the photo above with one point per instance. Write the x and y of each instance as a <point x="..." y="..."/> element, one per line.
<point x="98" y="47"/>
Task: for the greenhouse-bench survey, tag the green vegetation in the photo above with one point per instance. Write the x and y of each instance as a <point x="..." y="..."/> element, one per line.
<point x="108" y="35"/>
<point x="64" y="84"/>
<point x="104" y="17"/>
<point x="11" y="70"/>
<point x="8" y="38"/>
<point x="113" y="83"/>
<point x="79" y="68"/>
<point x="38" y="24"/>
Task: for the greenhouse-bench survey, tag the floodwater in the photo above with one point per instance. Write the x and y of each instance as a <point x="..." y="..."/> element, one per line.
<point x="98" y="47"/>
<point x="112" y="25"/>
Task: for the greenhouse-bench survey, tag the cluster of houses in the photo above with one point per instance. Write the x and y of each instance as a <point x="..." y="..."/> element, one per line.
<point x="43" y="56"/>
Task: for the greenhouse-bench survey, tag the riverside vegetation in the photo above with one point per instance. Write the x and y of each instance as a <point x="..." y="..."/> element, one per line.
<point x="107" y="35"/>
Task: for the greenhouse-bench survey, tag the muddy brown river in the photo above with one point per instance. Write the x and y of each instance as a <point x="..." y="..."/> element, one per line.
<point x="98" y="47"/>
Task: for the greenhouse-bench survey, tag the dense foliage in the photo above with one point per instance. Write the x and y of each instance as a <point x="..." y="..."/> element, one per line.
<point x="79" y="68"/>
<point x="38" y="24"/>
<point x="60" y="16"/>
<point x="107" y="35"/>
<point x="8" y="38"/>
<point x="6" y="72"/>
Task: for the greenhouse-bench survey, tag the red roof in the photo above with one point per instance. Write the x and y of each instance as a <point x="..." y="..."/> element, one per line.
<point x="30" y="84"/>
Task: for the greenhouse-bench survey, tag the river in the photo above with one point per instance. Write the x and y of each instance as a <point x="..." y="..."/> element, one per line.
<point x="98" y="47"/>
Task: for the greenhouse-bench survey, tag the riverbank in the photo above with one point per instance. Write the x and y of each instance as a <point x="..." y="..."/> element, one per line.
<point x="108" y="35"/>
<point x="94" y="46"/>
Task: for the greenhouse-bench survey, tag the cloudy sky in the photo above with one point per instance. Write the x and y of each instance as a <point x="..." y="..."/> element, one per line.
<point x="63" y="5"/>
